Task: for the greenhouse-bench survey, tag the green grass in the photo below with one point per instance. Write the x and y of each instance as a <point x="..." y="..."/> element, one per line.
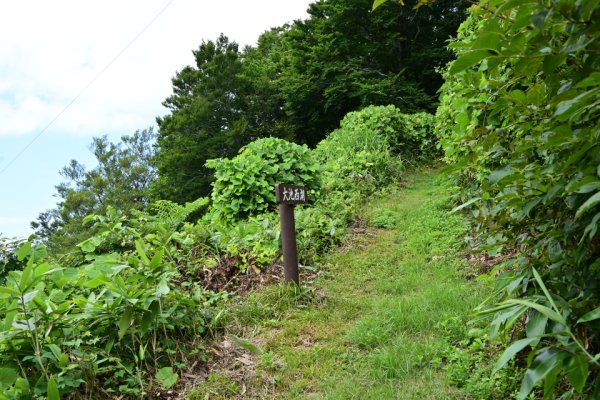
<point x="372" y="325"/>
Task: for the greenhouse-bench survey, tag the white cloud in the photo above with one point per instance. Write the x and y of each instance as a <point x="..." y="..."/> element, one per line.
<point x="51" y="50"/>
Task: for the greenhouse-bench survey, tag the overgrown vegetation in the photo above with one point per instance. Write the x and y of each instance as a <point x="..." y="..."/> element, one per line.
<point x="244" y="185"/>
<point x="135" y="269"/>
<point x="298" y="83"/>
<point x="520" y="115"/>
<point x="125" y="311"/>
<point x="103" y="323"/>
<point x="384" y="319"/>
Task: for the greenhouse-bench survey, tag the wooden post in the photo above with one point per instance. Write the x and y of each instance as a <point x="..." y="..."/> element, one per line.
<point x="287" y="196"/>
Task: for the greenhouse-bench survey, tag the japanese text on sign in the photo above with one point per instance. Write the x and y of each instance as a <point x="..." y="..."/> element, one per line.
<point x="290" y="194"/>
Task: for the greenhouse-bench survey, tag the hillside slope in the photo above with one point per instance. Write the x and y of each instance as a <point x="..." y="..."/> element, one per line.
<point x="374" y="323"/>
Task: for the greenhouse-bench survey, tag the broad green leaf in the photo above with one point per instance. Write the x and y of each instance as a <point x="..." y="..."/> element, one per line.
<point x="500" y="174"/>
<point x="89" y="245"/>
<point x="468" y="203"/>
<point x="591" y="81"/>
<point x="167" y="377"/>
<point x="591" y="202"/>
<point x="157" y="259"/>
<point x="468" y="60"/>
<point x="9" y="291"/>
<point x="592" y="227"/>
<point x="540" y="282"/>
<point x="577" y="372"/>
<point x="22" y="385"/>
<point x="536" y="325"/>
<point x="124" y="322"/>
<point x="511" y="351"/>
<point x="590" y="187"/>
<point x="26" y="277"/>
<point x="23" y="251"/>
<point x="162" y="288"/>
<point x="487" y="41"/>
<point x="27" y="297"/>
<point x="53" y="393"/>
<point x="543" y="364"/>
<point x="63" y="360"/>
<point x="97" y="281"/>
<point x="583" y="185"/>
<point x="565" y="108"/>
<point x="251" y="347"/>
<point x="590" y="316"/>
<point x="8" y="376"/>
<point x="139" y="247"/>
<point x="550" y="383"/>
<point x="55" y="351"/>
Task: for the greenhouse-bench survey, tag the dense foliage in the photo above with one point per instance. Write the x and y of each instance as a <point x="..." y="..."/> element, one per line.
<point x="244" y="185"/>
<point x="344" y="58"/>
<point x="124" y="312"/>
<point x="298" y="83"/>
<point x="520" y="113"/>
<point x="101" y="322"/>
<point x="381" y="139"/>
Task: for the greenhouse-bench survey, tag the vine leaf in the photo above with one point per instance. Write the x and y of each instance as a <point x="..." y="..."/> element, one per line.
<point x="468" y="60"/>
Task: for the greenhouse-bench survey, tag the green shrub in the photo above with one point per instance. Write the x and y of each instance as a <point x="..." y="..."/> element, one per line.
<point x="8" y="257"/>
<point x="245" y="185"/>
<point x="520" y="111"/>
<point x="368" y="150"/>
<point x="103" y="323"/>
<point x="253" y="242"/>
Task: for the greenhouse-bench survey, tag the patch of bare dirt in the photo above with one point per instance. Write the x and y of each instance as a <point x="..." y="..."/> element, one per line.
<point x="484" y="263"/>
<point x="226" y="276"/>
<point x="359" y="231"/>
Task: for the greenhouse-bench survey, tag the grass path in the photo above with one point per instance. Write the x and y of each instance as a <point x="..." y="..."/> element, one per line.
<point x="373" y="326"/>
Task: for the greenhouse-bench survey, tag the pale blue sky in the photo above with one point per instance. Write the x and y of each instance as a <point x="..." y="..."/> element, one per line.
<point x="50" y="51"/>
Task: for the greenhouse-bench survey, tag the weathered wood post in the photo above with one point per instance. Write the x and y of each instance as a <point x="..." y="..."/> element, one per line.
<point x="287" y="196"/>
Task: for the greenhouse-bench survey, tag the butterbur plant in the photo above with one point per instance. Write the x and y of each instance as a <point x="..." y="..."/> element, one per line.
<point x="245" y="184"/>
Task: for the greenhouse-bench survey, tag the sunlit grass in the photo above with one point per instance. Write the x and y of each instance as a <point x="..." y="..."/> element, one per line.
<point x="370" y="327"/>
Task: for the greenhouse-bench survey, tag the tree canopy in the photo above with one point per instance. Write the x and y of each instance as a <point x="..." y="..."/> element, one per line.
<point x="344" y="58"/>
<point x="298" y="82"/>
<point x="121" y="180"/>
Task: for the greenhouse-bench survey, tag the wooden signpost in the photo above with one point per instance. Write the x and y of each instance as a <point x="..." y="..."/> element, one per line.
<point x="287" y="196"/>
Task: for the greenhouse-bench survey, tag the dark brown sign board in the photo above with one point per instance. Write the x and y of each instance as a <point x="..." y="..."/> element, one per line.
<point x="290" y="194"/>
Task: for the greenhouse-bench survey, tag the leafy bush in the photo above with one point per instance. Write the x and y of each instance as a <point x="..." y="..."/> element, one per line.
<point x="104" y="324"/>
<point x="369" y="148"/>
<point x="520" y="109"/>
<point x="254" y="241"/>
<point x="244" y="185"/>
<point x="8" y="257"/>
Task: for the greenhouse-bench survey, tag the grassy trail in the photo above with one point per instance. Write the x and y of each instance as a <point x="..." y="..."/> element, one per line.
<point x="374" y="326"/>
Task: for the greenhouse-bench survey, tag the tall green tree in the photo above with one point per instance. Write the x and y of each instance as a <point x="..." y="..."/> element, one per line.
<point x="265" y="100"/>
<point x="344" y="58"/>
<point x="121" y="180"/>
<point x="298" y="83"/>
<point x="206" y="121"/>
